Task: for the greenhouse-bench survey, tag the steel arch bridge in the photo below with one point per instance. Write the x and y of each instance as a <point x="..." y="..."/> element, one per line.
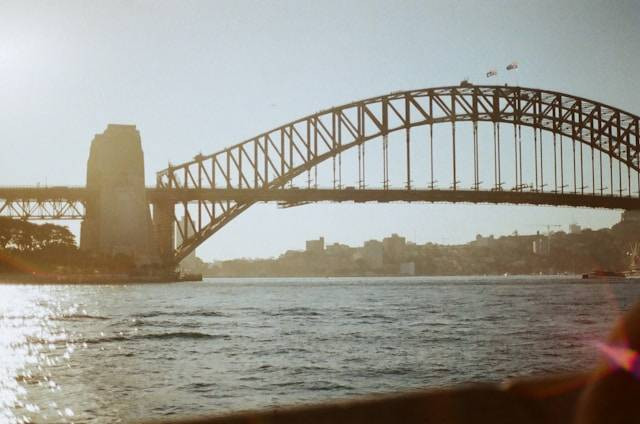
<point x="543" y="147"/>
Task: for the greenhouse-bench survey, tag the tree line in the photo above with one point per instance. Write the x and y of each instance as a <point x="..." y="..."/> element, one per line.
<point x="23" y="236"/>
<point x="26" y="247"/>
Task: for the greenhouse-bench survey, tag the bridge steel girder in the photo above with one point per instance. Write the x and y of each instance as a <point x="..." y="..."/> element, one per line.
<point x="271" y="159"/>
<point x="44" y="203"/>
<point x="290" y="198"/>
<point x="42" y="210"/>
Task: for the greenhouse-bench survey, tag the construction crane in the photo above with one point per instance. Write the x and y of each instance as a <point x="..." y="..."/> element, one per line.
<point x="549" y="228"/>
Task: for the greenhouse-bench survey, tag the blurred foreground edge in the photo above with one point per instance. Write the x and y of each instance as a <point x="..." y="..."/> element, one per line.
<point x="610" y="393"/>
<point x="547" y="400"/>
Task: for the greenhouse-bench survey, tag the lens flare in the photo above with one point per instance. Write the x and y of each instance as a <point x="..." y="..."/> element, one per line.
<point x="621" y="357"/>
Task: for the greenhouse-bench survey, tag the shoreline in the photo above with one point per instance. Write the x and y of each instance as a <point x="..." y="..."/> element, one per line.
<point x="97" y="279"/>
<point x="502" y="275"/>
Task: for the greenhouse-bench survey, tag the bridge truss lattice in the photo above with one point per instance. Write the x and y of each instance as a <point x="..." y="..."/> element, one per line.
<point x="539" y="143"/>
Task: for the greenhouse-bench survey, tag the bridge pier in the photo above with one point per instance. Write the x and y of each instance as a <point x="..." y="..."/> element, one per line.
<point x="163" y="228"/>
<point x="118" y="219"/>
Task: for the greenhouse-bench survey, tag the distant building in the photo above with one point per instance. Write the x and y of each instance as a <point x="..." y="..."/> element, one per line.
<point x="541" y="246"/>
<point x="372" y="254"/>
<point x="408" y="268"/>
<point x="339" y="250"/>
<point x="575" y="229"/>
<point x="394" y="248"/>
<point x="315" y="246"/>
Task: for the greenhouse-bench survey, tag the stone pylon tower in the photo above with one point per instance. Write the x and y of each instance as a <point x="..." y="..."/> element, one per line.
<point x="118" y="219"/>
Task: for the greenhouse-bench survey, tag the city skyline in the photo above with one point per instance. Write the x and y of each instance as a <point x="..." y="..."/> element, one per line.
<point x="554" y="252"/>
<point x="309" y="245"/>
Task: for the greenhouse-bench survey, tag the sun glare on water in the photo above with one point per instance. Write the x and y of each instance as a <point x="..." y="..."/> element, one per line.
<point x="32" y="345"/>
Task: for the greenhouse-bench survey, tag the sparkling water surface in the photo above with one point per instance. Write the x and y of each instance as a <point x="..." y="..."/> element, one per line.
<point x="104" y="354"/>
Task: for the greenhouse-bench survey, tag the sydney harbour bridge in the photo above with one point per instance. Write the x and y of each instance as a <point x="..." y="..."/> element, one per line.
<point x="466" y="143"/>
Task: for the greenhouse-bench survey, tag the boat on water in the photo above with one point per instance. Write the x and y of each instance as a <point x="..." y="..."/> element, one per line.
<point x="599" y="273"/>
<point x="632" y="273"/>
<point x="634" y="257"/>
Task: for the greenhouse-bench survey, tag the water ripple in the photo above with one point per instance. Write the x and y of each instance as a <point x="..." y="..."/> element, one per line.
<point x="97" y="354"/>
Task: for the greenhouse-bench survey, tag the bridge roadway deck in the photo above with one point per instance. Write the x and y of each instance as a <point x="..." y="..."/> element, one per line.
<point x="291" y="197"/>
<point x="295" y="196"/>
<point x="30" y="193"/>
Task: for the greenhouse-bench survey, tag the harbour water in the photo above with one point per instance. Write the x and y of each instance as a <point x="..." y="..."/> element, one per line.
<point x="104" y="354"/>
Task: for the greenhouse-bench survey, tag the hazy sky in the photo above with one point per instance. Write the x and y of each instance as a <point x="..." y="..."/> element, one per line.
<point x="196" y="76"/>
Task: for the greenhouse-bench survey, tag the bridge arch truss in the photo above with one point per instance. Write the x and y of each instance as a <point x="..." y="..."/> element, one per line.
<point x="542" y="122"/>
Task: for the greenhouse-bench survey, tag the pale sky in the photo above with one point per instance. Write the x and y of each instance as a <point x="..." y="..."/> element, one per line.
<point x="197" y="76"/>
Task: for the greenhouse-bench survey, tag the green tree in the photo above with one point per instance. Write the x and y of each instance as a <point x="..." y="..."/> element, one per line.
<point x="5" y="232"/>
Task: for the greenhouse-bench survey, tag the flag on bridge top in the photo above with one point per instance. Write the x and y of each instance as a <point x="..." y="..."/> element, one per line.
<point x="512" y="66"/>
<point x="492" y="73"/>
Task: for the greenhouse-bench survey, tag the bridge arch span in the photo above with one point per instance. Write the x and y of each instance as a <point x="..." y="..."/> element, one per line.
<point x="275" y="158"/>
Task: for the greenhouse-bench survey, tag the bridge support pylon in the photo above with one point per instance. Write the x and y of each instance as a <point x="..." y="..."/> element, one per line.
<point x="118" y="219"/>
<point x="163" y="228"/>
